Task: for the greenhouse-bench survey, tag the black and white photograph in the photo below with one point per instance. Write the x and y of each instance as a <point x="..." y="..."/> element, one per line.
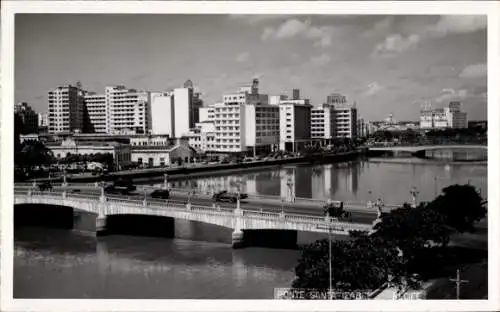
<point x="271" y="156"/>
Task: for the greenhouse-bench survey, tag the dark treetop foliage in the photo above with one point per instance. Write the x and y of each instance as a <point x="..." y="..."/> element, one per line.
<point x="408" y="245"/>
<point x="461" y="206"/>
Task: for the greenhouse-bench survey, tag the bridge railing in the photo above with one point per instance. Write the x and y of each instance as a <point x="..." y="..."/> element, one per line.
<point x="161" y="205"/>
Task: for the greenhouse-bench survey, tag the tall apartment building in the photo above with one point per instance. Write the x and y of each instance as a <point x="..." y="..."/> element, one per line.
<point x="276" y="99"/>
<point x="162" y="113"/>
<point x="245" y="122"/>
<point x="184" y="118"/>
<point x="28" y="116"/>
<point x="295" y="94"/>
<point x="323" y="123"/>
<point x="295" y="124"/>
<point x="202" y="137"/>
<point x="207" y="113"/>
<point x="346" y="118"/>
<point x="336" y="99"/>
<point x="66" y="109"/>
<point x="128" y="109"/>
<point x="43" y="122"/>
<point x="98" y="113"/>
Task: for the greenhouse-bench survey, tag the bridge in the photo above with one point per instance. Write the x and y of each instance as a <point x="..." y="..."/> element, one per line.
<point x="237" y="219"/>
<point x="418" y="148"/>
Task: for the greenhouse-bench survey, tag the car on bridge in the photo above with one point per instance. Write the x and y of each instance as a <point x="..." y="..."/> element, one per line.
<point x="161" y="194"/>
<point x="227" y="196"/>
<point x="120" y="187"/>
<point x="45" y="186"/>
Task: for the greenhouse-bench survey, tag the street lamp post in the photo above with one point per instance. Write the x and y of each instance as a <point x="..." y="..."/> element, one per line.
<point x="458" y="281"/>
<point x="238" y="200"/>
<point x="414" y="194"/>
<point x="330" y="292"/>
<point x="330" y="272"/>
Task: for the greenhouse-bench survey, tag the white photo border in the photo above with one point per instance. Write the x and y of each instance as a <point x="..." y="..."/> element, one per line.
<point x="10" y="8"/>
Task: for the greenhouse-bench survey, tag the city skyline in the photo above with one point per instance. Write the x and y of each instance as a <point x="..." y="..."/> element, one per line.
<point x="387" y="64"/>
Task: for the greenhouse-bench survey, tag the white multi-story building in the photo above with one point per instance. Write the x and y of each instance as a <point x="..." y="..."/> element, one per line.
<point x="323" y="123"/>
<point x="185" y="113"/>
<point x="97" y="109"/>
<point x="66" y="109"/>
<point x="336" y="99"/>
<point x="295" y="124"/>
<point x="206" y="113"/>
<point x="43" y="120"/>
<point x="346" y="118"/>
<point x="128" y="109"/>
<point x="202" y="137"/>
<point x="245" y="122"/>
<point x="162" y="113"/>
<point x="276" y="99"/>
<point x="448" y="117"/>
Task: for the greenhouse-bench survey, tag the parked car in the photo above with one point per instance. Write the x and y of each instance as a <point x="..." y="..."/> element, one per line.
<point x="162" y="194"/>
<point x="45" y="186"/>
<point x="122" y="187"/>
<point x="226" y="196"/>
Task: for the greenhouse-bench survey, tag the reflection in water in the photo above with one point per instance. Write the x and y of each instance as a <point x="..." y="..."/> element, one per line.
<point x="139" y="267"/>
<point x="358" y="181"/>
<point x="64" y="264"/>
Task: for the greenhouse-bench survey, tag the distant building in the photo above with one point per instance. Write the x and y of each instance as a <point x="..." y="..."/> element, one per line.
<point x="440" y="118"/>
<point x="245" y="122"/>
<point x="276" y="99"/>
<point x="336" y="99"/>
<point x="296" y="94"/>
<point x="323" y="123"/>
<point x="120" y="152"/>
<point x="187" y="106"/>
<point x="162" y="113"/>
<point x="129" y="110"/>
<point x="28" y="116"/>
<point x="346" y="118"/>
<point x="43" y="122"/>
<point x="98" y="112"/>
<point x="362" y="128"/>
<point x="206" y="113"/>
<point x="160" y="151"/>
<point x="66" y="109"/>
<point x="202" y="137"/>
<point x="295" y="124"/>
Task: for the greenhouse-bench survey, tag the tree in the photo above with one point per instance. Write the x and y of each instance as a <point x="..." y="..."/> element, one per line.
<point x="34" y="153"/>
<point x="363" y="264"/>
<point x="461" y="206"/>
<point x="420" y="233"/>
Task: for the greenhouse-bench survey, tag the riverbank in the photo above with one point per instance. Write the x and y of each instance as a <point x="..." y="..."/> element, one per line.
<point x="209" y="169"/>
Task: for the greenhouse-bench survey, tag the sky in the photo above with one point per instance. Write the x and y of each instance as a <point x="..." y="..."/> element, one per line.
<point x="386" y="64"/>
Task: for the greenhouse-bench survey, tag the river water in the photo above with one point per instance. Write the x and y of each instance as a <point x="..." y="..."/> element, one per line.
<point x="199" y="262"/>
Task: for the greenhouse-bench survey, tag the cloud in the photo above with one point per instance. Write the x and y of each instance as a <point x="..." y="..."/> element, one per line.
<point x="295" y="28"/>
<point x="446" y="25"/>
<point x="243" y="57"/>
<point x="457" y="24"/>
<point x="381" y="27"/>
<point x="320" y="60"/>
<point x="254" y="19"/>
<point x="474" y="71"/>
<point x="451" y="94"/>
<point x="374" y="88"/>
<point x="395" y="44"/>
<point x="258" y="76"/>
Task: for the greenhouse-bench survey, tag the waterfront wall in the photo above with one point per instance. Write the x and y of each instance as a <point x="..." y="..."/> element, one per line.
<point x="210" y="170"/>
